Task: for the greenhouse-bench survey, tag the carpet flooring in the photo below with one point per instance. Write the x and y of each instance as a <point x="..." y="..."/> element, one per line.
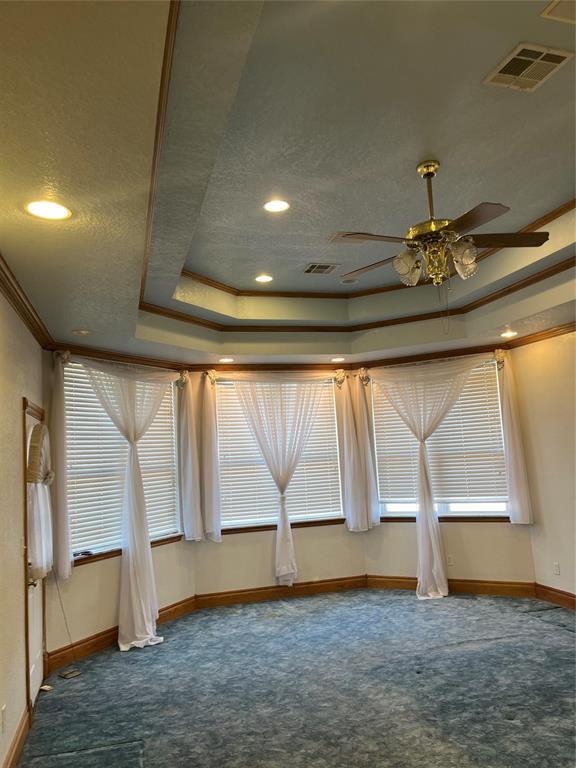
<point x="360" y="679"/>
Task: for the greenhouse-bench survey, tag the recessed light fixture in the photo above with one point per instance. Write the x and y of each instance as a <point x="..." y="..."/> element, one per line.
<point x="81" y="332"/>
<point x="264" y="279"/>
<point x="337" y="359"/>
<point x="509" y="334"/>
<point x="348" y="281"/>
<point x="226" y="360"/>
<point x="47" y="209"/>
<point x="276" y="206"/>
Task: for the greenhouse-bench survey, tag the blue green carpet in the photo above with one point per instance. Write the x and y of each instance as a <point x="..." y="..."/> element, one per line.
<point x="362" y="679"/>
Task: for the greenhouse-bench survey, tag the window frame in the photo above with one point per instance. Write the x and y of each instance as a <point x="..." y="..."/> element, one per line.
<point x="270" y="523"/>
<point x="95" y="553"/>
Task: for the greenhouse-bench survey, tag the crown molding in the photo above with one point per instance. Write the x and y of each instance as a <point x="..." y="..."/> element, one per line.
<point x="462" y="310"/>
<point x="13" y="292"/>
<point x="169" y="44"/>
<point x="556" y="213"/>
<point x="178" y="365"/>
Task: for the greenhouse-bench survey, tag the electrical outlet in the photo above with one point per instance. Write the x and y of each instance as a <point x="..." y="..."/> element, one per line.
<point x="3" y="717"/>
<point x="450" y="560"/>
<point x="556" y="568"/>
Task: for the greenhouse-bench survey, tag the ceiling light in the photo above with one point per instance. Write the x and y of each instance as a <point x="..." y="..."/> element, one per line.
<point x="276" y="206"/>
<point x="337" y="359"/>
<point x="226" y="360"/>
<point x="264" y="279"/>
<point x="349" y="281"/>
<point x="509" y="334"/>
<point x="46" y="209"/>
<point x="81" y="332"/>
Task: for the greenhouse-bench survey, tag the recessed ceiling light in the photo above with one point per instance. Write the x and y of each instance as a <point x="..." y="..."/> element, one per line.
<point x="264" y="279"/>
<point x="509" y="334"/>
<point x="337" y="359"/>
<point x="81" y="332"/>
<point x="276" y="206"/>
<point x="348" y="281"/>
<point x="226" y="360"/>
<point x="46" y="209"/>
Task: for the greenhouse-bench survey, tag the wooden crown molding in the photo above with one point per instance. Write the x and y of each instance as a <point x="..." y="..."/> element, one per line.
<point x="178" y="365"/>
<point x="319" y="328"/>
<point x="532" y="227"/>
<point x="14" y="294"/>
<point x="170" y="42"/>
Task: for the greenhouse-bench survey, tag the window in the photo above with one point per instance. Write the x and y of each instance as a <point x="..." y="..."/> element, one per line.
<point x="466" y="454"/>
<point x="96" y="460"/>
<point x="248" y="493"/>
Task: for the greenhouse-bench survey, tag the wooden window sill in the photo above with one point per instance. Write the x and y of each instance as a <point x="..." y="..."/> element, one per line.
<point x="299" y="524"/>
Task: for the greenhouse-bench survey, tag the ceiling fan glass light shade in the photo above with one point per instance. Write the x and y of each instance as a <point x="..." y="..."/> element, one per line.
<point x="464" y="251"/>
<point x="408" y="264"/>
<point x="465" y="270"/>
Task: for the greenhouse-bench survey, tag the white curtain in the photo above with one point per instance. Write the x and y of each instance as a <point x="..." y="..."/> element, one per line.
<point x="519" y="504"/>
<point x="423" y="395"/>
<point x="39" y="477"/>
<point x="281" y="416"/>
<point x="131" y="398"/>
<point x="357" y="454"/>
<point x="198" y="458"/>
<point x="60" y="519"/>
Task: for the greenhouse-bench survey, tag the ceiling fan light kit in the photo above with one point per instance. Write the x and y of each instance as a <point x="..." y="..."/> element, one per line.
<point x="439" y="246"/>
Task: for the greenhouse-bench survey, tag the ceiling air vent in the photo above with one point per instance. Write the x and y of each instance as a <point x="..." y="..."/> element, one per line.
<point x="320" y="269"/>
<point x="527" y="67"/>
<point x="561" y="10"/>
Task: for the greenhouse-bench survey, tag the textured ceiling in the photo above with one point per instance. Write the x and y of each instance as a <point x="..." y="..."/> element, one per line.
<point x="332" y="106"/>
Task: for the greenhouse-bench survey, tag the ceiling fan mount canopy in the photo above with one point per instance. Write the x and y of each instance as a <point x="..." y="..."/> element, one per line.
<point x="441" y="247"/>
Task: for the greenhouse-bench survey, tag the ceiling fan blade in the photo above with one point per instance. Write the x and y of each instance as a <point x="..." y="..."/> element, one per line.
<point x="474" y="218"/>
<point x="510" y="240"/>
<point x="358" y="272"/>
<point x="340" y="237"/>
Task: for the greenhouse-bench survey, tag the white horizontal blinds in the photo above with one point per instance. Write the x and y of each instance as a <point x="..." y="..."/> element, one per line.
<point x="466" y="452"/>
<point x="248" y="495"/>
<point x="96" y="460"/>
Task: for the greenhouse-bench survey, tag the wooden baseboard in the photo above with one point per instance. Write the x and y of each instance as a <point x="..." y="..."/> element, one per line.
<point x="557" y="596"/>
<point x="68" y="654"/>
<point x="471" y="586"/>
<point x="13" y="754"/>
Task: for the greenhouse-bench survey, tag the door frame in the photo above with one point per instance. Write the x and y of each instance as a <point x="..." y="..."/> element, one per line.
<point x="36" y="412"/>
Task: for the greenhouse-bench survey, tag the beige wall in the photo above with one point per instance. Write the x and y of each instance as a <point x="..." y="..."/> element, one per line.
<point x="496" y="551"/>
<point x="20" y="376"/>
<point x="545" y="380"/>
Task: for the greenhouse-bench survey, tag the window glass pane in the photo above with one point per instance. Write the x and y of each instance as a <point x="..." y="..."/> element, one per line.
<point x="466" y="453"/>
<point x="248" y="493"/>
<point x="96" y="461"/>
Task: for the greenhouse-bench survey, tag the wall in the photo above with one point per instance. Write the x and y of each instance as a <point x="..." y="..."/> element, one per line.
<point x="20" y="376"/>
<point x="545" y="381"/>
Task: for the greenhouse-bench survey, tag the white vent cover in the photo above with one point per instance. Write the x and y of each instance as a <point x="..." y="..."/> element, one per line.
<point x="561" y="10"/>
<point x="527" y="67"/>
<point x="320" y="269"/>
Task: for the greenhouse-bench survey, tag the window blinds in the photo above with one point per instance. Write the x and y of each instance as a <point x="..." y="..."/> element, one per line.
<point x="247" y="492"/>
<point x="96" y="460"/>
<point x="466" y="453"/>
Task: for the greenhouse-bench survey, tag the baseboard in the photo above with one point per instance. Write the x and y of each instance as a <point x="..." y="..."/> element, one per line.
<point x="557" y="596"/>
<point x="68" y="654"/>
<point x="13" y="754"/>
<point x="259" y="594"/>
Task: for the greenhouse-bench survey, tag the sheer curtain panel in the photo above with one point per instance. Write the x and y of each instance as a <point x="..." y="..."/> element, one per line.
<point x="281" y="415"/>
<point x="39" y="477"/>
<point x="519" y="504"/>
<point x="57" y="421"/>
<point x="131" y="398"/>
<point x="358" y="476"/>
<point x="423" y="395"/>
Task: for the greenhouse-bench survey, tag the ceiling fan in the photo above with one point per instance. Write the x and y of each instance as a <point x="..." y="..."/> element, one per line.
<point x="435" y="245"/>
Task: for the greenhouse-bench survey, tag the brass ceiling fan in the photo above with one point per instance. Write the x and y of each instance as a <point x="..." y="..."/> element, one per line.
<point x="436" y="244"/>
